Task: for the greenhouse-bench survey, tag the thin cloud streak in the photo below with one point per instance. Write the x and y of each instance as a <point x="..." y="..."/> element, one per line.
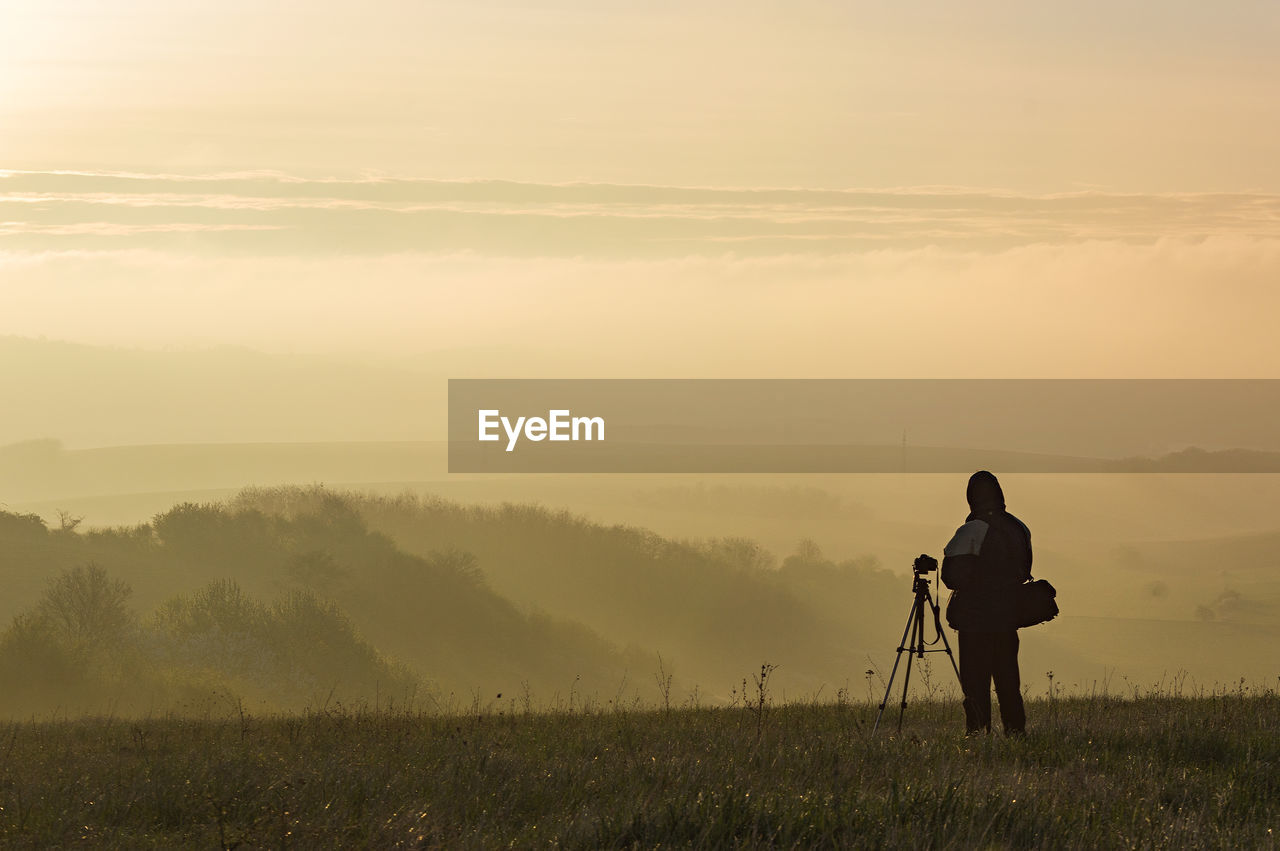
<point x="378" y="215"/>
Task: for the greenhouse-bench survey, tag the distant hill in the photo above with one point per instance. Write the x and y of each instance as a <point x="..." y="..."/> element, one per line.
<point x="474" y="600"/>
<point x="435" y="613"/>
<point x="45" y="470"/>
<point x="110" y="396"/>
<point x="1196" y="460"/>
<point x="716" y="607"/>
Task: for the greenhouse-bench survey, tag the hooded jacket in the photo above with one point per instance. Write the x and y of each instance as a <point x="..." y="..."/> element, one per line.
<point x="985" y="561"/>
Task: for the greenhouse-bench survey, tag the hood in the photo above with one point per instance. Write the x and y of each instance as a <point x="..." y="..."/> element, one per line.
<point x="984" y="493"/>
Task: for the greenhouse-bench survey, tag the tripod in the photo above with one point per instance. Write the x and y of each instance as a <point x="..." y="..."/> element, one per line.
<point x="916" y="645"/>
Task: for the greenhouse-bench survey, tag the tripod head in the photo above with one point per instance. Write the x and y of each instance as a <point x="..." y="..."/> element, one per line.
<point x="921" y="568"/>
<point x="924" y="564"/>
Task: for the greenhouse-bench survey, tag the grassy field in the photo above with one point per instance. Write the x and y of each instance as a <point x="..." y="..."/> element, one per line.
<point x="1092" y="773"/>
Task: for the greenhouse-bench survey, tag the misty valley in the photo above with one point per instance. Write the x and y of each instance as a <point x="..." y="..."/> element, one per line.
<point x="294" y="597"/>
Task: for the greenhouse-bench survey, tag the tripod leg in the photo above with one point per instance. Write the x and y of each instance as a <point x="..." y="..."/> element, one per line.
<point x="917" y="641"/>
<point x="898" y="658"/>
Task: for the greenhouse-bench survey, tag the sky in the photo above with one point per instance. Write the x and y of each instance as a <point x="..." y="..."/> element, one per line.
<point x="985" y="189"/>
<point x="278" y="221"/>
<point x="1123" y="96"/>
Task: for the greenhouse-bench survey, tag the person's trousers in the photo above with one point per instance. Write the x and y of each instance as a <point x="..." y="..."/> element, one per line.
<point x="987" y="656"/>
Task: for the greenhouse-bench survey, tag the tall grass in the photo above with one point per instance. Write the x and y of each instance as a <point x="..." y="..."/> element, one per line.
<point x="1093" y="772"/>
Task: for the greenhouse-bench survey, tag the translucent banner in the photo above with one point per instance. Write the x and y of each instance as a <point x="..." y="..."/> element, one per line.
<point x="864" y="425"/>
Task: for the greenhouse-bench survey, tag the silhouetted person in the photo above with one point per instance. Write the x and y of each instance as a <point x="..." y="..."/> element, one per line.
<point x="984" y="563"/>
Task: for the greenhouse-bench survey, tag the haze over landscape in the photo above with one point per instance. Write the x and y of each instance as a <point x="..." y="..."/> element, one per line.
<point x="245" y="246"/>
<point x="248" y="247"/>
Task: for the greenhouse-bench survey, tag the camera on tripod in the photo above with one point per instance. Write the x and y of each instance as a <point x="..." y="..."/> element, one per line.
<point x="913" y="643"/>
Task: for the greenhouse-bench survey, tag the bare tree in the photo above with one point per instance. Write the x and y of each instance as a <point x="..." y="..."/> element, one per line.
<point x="85" y="607"/>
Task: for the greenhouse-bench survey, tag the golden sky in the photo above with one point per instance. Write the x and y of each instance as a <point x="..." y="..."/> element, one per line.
<point x="978" y="189"/>
<point x="1170" y="96"/>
